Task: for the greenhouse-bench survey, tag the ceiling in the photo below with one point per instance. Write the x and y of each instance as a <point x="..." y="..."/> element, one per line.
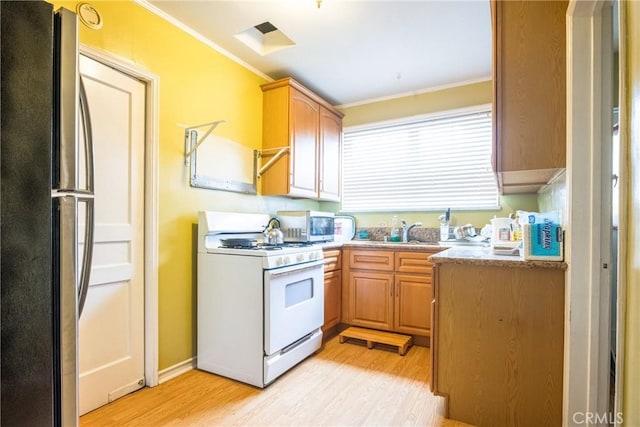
<point x="352" y="51"/>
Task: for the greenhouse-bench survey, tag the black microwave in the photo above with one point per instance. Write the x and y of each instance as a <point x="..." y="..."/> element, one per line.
<point x="306" y="226"/>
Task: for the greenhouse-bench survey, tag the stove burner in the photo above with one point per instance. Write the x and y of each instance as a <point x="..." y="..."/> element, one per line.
<point x="238" y="243"/>
<point x="298" y="244"/>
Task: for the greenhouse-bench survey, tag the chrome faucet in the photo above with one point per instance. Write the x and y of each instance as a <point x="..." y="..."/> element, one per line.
<point x="406" y="230"/>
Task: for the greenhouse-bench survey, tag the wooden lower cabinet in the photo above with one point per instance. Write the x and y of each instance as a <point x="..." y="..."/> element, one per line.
<point x="497" y="344"/>
<point x="371" y="299"/>
<point x="332" y="299"/>
<point x="388" y="290"/>
<point x="412" y="316"/>
<point x="332" y="289"/>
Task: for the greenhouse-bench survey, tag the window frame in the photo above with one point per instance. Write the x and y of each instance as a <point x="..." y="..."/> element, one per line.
<point x="487" y="107"/>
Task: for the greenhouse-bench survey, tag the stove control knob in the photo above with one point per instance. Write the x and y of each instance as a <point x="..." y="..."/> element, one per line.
<point x="300" y="257"/>
<point x="279" y="261"/>
<point x="286" y="260"/>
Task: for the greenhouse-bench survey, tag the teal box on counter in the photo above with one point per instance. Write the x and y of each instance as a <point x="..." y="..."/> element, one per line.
<point x="542" y="241"/>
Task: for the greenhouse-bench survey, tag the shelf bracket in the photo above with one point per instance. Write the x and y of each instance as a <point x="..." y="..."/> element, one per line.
<point x="190" y="147"/>
<point x="280" y="151"/>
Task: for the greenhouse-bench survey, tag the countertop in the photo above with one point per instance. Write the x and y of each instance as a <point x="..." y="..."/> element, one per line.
<point x="484" y="256"/>
<point x="475" y="255"/>
<point x="376" y="244"/>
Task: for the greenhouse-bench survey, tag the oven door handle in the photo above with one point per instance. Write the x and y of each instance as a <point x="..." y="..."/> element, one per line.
<point x="298" y="268"/>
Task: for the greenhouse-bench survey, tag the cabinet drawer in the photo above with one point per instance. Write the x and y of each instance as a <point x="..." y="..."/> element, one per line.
<point x="332" y="259"/>
<point x="413" y="262"/>
<point x="371" y="260"/>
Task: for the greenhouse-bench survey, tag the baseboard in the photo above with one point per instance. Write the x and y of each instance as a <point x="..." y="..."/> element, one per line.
<point x="175" y="370"/>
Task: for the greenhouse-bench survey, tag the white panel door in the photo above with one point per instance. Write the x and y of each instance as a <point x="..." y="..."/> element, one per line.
<point x="111" y="327"/>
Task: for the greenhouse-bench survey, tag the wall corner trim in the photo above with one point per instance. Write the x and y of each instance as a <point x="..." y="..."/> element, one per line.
<point x="176" y="370"/>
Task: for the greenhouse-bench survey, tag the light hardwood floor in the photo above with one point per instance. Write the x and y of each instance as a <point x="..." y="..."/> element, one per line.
<point x="342" y="385"/>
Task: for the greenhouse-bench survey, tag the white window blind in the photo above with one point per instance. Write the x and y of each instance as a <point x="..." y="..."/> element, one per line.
<point x="430" y="164"/>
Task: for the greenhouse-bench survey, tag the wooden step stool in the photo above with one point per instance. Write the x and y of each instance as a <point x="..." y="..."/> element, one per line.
<point x="371" y="336"/>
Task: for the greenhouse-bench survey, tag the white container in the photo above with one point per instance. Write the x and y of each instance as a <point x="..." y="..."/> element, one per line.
<point x="501" y="230"/>
<point x="345" y="228"/>
<point x="444" y="232"/>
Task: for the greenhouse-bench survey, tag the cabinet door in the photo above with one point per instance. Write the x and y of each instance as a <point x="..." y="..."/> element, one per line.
<point x="413" y="304"/>
<point x="304" y="123"/>
<point x="332" y="299"/>
<point x="530" y="92"/>
<point x="330" y="154"/>
<point x="434" y="332"/>
<point x="371" y="300"/>
<point x="371" y="260"/>
<point x="414" y="262"/>
<point x="332" y="259"/>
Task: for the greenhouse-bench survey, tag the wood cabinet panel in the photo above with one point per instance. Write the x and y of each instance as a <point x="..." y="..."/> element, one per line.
<point x="275" y="134"/>
<point x="371" y="299"/>
<point x="413" y="262"/>
<point x="371" y="260"/>
<point x="529" y="92"/>
<point x="304" y="155"/>
<point x="408" y="297"/>
<point x="332" y="259"/>
<point x="297" y="119"/>
<point x="332" y="299"/>
<point x="329" y="156"/>
<point x="498" y="344"/>
<point x="332" y="288"/>
<point x="412" y="313"/>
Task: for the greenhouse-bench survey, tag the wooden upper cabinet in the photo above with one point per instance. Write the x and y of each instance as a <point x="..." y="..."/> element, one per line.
<point x="330" y="146"/>
<point x="304" y="124"/>
<point x="297" y="119"/>
<point x="529" y="75"/>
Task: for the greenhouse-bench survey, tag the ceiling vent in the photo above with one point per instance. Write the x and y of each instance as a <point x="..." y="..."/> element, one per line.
<point x="265" y="38"/>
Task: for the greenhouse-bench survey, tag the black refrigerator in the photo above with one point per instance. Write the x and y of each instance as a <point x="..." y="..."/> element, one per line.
<point x="46" y="198"/>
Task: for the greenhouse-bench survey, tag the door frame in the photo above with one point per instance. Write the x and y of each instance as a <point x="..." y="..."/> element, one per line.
<point x="588" y="240"/>
<point x="151" y="202"/>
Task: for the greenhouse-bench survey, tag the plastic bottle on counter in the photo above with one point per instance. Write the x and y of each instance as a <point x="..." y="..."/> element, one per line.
<point x="517" y="228"/>
<point x="395" y="230"/>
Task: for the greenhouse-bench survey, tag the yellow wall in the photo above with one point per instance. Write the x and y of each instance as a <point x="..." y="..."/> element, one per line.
<point x="630" y="139"/>
<point x="197" y="85"/>
<point x="424" y="103"/>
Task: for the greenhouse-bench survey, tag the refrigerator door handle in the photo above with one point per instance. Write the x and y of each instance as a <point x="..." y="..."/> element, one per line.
<point x="85" y="272"/>
<point x="66" y="178"/>
<point x="88" y="138"/>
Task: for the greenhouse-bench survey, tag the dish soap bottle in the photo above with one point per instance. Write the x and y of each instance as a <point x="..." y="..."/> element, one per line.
<point x="395" y="229"/>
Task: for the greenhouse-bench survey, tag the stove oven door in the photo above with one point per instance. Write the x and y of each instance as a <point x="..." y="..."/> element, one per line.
<point x="294" y="304"/>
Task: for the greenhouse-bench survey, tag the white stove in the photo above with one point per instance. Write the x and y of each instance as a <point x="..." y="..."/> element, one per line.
<point x="274" y="256"/>
<point x="260" y="308"/>
<point x="215" y="227"/>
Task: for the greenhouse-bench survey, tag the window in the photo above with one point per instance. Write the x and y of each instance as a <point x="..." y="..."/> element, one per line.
<point x="430" y="163"/>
